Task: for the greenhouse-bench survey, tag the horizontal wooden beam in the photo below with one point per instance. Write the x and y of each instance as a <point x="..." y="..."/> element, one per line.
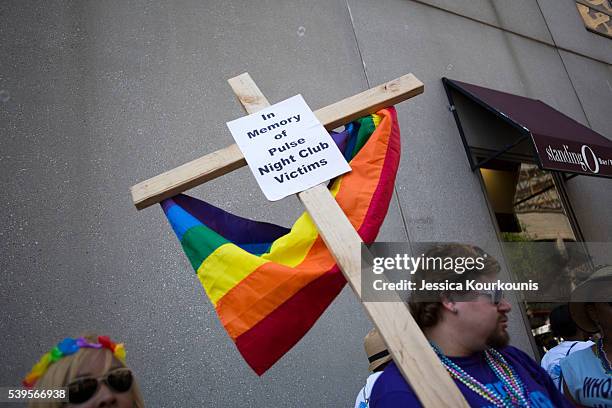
<point x="213" y="165"/>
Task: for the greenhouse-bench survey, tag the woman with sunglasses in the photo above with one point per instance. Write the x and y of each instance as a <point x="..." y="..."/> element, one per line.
<point x="92" y="369"/>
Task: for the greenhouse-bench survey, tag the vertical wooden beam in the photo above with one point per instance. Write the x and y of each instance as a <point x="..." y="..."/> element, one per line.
<point x="408" y="346"/>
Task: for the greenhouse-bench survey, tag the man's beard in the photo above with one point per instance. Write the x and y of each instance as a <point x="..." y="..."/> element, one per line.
<point x="498" y="339"/>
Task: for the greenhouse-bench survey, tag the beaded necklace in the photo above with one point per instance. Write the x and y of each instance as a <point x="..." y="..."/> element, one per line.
<point x="601" y="354"/>
<point x="510" y="381"/>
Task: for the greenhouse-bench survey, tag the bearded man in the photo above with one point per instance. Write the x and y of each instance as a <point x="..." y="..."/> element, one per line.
<point x="468" y="331"/>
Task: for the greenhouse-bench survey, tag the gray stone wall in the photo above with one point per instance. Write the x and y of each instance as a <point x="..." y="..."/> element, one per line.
<point x="96" y="96"/>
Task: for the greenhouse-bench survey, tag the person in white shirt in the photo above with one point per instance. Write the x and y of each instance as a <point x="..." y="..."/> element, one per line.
<point x="379" y="357"/>
<point x="563" y="326"/>
<point x="587" y="374"/>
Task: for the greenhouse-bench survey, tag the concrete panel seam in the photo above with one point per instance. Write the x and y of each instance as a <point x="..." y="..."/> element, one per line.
<point x="399" y="205"/>
<point x="569" y="77"/>
<point x="553" y="45"/>
<point x="365" y="72"/>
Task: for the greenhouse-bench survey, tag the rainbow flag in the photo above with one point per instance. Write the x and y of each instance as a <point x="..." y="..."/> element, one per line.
<point x="270" y="284"/>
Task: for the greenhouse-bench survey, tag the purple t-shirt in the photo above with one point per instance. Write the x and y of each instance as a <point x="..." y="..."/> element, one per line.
<point x="392" y="391"/>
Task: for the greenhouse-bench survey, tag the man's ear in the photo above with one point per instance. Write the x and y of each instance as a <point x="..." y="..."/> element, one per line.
<point x="448" y="304"/>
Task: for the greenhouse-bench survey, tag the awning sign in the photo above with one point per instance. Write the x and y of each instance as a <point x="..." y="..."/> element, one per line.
<point x="287" y="148"/>
<point x="575" y="157"/>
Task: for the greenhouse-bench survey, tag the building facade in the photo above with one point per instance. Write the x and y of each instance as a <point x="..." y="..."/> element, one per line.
<point x="96" y="96"/>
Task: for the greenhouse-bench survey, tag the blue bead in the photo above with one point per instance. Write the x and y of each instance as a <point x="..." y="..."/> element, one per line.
<point x="68" y="346"/>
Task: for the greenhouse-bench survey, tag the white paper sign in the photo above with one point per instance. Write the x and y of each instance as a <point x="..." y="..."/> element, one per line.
<point x="287" y="148"/>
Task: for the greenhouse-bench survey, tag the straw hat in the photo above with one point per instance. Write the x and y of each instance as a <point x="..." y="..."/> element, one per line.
<point x="597" y="288"/>
<point x="375" y="349"/>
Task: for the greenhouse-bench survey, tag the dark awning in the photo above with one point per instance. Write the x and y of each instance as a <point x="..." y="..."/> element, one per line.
<point x="560" y="143"/>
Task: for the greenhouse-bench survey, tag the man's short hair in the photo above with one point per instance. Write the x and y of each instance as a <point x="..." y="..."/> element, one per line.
<point x="425" y="306"/>
<point x="561" y="323"/>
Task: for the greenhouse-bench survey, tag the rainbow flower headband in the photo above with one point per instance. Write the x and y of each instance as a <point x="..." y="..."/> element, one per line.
<point x="67" y="347"/>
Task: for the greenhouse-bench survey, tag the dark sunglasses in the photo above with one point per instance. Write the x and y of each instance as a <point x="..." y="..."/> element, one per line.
<point x="119" y="380"/>
<point x="495" y="296"/>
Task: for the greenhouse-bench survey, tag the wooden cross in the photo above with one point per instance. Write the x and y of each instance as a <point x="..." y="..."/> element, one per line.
<point x="408" y="346"/>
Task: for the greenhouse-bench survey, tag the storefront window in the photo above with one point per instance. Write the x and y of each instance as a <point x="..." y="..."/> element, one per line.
<point x="528" y="208"/>
<point x="510" y="139"/>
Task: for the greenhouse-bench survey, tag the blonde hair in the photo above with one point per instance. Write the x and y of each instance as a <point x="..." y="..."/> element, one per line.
<point x="62" y="372"/>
